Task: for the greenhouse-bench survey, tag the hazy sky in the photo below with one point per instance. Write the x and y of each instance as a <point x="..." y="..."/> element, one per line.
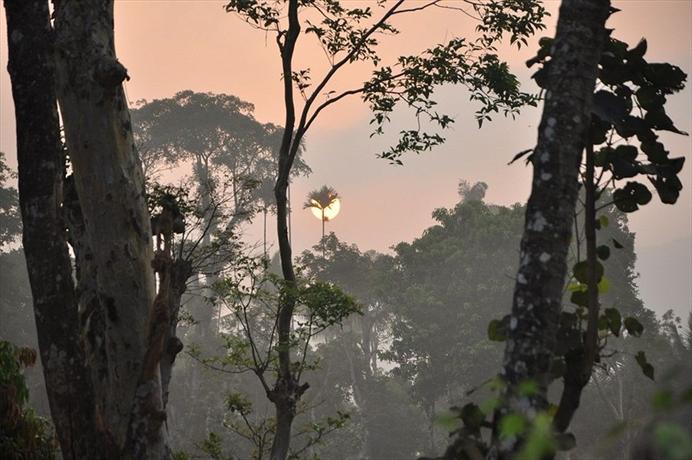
<point x="169" y="46"/>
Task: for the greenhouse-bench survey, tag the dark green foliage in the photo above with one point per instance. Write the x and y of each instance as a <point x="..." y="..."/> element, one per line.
<point x="22" y="433"/>
<point x="631" y="105"/>
<point x="350" y="34"/>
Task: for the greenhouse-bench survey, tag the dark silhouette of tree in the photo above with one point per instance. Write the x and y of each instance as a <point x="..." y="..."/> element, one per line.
<point x="320" y="200"/>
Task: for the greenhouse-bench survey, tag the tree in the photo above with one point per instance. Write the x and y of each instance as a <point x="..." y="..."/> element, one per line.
<point x="321" y="200"/>
<point x="348" y="35"/>
<point x="629" y="86"/>
<point x="210" y="130"/>
<point x="351" y="355"/>
<point x="105" y="396"/>
<point x="250" y="292"/>
<point x="233" y="157"/>
<point x="460" y="268"/>
<point x="531" y="336"/>
<point x="233" y="160"/>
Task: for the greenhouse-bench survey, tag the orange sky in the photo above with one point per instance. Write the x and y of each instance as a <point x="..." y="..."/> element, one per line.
<point x="169" y="46"/>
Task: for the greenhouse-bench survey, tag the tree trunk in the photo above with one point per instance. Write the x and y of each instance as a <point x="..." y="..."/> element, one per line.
<point x="579" y="362"/>
<point x="110" y="186"/>
<point x="571" y="76"/>
<point x="41" y="169"/>
<point x="286" y="390"/>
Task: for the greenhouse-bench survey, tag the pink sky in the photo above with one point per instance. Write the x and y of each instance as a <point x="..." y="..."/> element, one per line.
<point x="169" y="46"/>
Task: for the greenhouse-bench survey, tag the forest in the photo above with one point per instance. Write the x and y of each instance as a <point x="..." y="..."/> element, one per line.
<point x="213" y="272"/>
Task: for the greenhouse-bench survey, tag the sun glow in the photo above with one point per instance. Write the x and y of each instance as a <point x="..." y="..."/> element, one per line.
<point x="330" y="211"/>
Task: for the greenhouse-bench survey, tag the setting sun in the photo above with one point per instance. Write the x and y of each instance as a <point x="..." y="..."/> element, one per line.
<point x="330" y="211"/>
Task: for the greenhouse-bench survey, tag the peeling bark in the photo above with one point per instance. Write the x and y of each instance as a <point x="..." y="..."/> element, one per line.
<point x="110" y="185"/>
<point x="548" y="227"/>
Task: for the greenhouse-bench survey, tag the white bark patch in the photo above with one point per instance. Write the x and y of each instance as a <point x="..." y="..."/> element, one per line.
<point x="546" y="176"/>
<point x="521" y="279"/>
<point x="549" y="133"/>
<point x="544" y="257"/>
<point x="538" y="223"/>
<point x="513" y="323"/>
<point x="545" y="157"/>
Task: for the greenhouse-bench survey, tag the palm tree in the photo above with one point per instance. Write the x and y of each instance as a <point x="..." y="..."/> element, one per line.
<point x="324" y="203"/>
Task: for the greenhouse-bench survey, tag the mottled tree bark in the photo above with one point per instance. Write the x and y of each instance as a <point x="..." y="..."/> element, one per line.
<point x="41" y="169"/>
<point x="109" y="183"/>
<point x="562" y="136"/>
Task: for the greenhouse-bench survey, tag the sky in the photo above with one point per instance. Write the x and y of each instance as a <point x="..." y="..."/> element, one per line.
<point x="174" y="45"/>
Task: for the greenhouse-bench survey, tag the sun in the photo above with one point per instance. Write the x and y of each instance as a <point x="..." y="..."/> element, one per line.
<point x="330" y="211"/>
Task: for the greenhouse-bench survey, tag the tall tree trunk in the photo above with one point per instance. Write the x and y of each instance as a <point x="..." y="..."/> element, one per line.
<point x="41" y="169"/>
<point x="540" y="279"/>
<point x="287" y="390"/>
<point x="110" y="186"/>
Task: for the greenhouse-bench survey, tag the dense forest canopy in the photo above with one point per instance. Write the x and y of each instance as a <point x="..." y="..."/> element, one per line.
<point x="142" y="317"/>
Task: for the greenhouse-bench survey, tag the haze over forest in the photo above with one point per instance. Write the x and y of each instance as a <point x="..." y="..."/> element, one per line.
<point x="260" y="322"/>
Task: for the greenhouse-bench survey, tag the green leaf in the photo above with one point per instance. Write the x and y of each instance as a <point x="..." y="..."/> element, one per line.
<point x="667" y="77"/>
<point x="447" y="421"/>
<point x="497" y="330"/>
<point x="633" y="326"/>
<point x="540" y="442"/>
<point x="663" y="400"/>
<point x="609" y="107"/>
<point x="646" y="367"/>
<point x="603" y="285"/>
<point x="614" y="320"/>
<point x="631" y="196"/>
<point x="638" y="51"/>
<point x="673" y="441"/>
<point x="603" y="252"/>
<point x="603" y="221"/>
<point x="528" y="388"/>
<point x="577" y="287"/>
<point x="512" y="425"/>
<point x="580" y="298"/>
<point x="472" y="416"/>
<point x="580" y="271"/>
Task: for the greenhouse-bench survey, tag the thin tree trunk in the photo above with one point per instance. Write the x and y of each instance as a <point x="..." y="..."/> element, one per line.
<point x="547" y="232"/>
<point x="41" y="169"/>
<point x="286" y="391"/>
<point x="580" y="362"/>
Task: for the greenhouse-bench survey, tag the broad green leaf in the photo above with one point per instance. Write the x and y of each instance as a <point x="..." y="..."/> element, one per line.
<point x="633" y="326"/>
<point x="603" y="252"/>
<point x="646" y="367"/>
<point x="614" y="320"/>
<point x="512" y="425"/>
<point x="580" y="271"/>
